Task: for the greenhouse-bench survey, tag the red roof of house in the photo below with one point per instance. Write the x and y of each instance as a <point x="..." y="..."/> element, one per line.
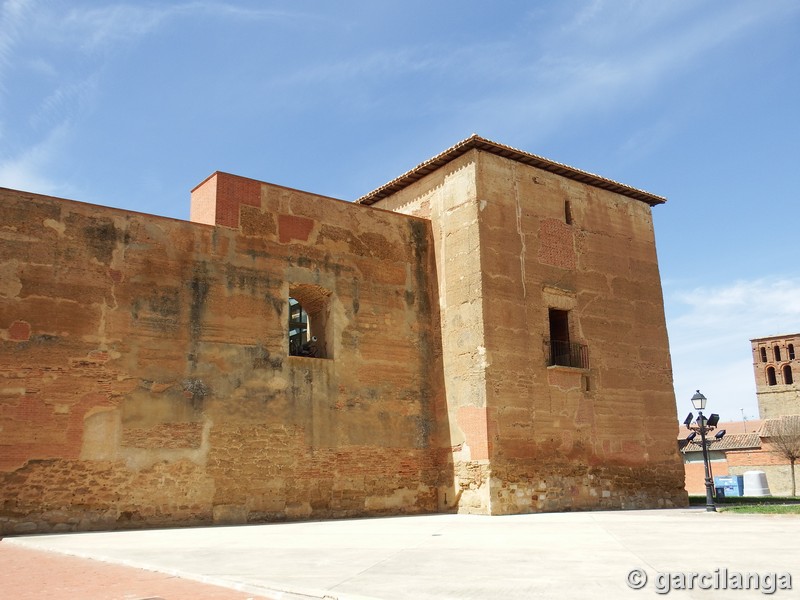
<point x="741" y="441"/>
<point x="731" y="427"/>
<point x="739" y="435"/>
<point x="772" y="427"/>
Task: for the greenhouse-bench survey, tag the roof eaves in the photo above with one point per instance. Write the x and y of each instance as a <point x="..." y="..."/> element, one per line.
<point x="479" y="143"/>
<point x="772" y="337"/>
<point x="789" y="424"/>
<point x="743" y="441"/>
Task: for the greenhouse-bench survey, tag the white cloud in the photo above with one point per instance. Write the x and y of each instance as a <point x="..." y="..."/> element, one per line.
<point x="710" y="335"/>
<point x="27" y="171"/>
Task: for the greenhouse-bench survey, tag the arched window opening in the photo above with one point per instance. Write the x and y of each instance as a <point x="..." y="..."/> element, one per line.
<point x="790" y="350"/>
<point x="787" y="375"/>
<point x="777" y="351"/>
<point x="763" y="354"/>
<point x="771" y="376"/>
<point x="310" y="325"/>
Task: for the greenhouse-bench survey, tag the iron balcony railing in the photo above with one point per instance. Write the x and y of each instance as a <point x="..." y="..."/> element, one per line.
<point x="567" y="354"/>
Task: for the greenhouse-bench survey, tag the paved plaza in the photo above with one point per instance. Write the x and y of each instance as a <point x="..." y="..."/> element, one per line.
<point x="557" y="555"/>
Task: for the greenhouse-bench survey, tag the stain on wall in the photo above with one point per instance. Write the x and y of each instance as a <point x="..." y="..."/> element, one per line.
<point x="145" y="378"/>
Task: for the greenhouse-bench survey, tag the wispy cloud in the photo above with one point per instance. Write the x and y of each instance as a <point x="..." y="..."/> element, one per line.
<point x="28" y="170"/>
<point x="121" y="22"/>
<point x="375" y="66"/>
<point x="58" y="107"/>
<point x="585" y="67"/>
<point x="710" y="331"/>
<point x="13" y="17"/>
<point x="54" y="58"/>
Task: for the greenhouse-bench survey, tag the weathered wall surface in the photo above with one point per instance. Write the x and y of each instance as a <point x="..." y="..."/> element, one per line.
<point x="574" y="437"/>
<point x="145" y="376"/>
<point x="528" y="437"/>
<point x="449" y="198"/>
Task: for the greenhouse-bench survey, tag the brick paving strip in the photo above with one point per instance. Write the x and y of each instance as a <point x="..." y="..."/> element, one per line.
<point x="27" y="574"/>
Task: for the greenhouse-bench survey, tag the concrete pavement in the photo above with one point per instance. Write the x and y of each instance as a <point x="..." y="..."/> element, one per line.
<point x="563" y="555"/>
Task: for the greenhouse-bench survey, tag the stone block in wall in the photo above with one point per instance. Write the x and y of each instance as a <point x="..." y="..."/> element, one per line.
<point x="229" y="514"/>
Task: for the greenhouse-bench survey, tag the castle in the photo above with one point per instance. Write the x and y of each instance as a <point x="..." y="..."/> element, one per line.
<point x="483" y="334"/>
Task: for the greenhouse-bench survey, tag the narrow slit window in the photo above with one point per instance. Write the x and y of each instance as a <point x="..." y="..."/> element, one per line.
<point x="567" y="213"/>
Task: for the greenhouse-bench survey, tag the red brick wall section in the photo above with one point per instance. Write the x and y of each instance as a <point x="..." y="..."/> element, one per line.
<point x="233" y="191"/>
<point x="42" y="409"/>
<point x="696" y="477"/>
<point x="557" y="247"/>
<point x="203" y="208"/>
<point x="473" y="422"/>
<point x="749" y="458"/>
<point x="695" y="474"/>
<point x="293" y="228"/>
<point x="20" y="331"/>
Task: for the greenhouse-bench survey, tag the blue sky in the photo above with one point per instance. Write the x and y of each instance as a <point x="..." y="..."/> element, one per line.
<point x="132" y="104"/>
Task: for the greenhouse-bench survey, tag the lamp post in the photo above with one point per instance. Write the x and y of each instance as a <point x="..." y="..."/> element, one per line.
<point x="704" y="426"/>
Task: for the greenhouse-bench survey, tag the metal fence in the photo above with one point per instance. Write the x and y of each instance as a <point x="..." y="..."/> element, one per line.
<point x="567" y="354"/>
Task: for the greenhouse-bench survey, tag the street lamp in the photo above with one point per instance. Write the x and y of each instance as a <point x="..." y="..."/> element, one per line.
<point x="704" y="426"/>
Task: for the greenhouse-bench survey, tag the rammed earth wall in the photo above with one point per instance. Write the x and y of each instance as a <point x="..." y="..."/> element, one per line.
<point x="146" y="380"/>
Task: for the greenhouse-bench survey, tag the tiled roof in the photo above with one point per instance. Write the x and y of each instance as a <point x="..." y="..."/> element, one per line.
<point x="477" y="142"/>
<point x="771" y="427"/>
<point x="734" y="441"/>
<point x="740" y="426"/>
<point x="731" y="427"/>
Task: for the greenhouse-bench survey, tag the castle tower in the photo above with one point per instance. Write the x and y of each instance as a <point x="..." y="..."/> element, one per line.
<point x="776" y="366"/>
<point x="556" y="360"/>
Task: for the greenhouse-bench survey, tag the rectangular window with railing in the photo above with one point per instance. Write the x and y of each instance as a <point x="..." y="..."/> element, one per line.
<point x="560" y="349"/>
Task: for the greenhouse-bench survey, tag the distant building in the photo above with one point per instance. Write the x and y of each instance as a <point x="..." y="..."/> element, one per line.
<point x="776" y="365"/>
<point x="750" y="445"/>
